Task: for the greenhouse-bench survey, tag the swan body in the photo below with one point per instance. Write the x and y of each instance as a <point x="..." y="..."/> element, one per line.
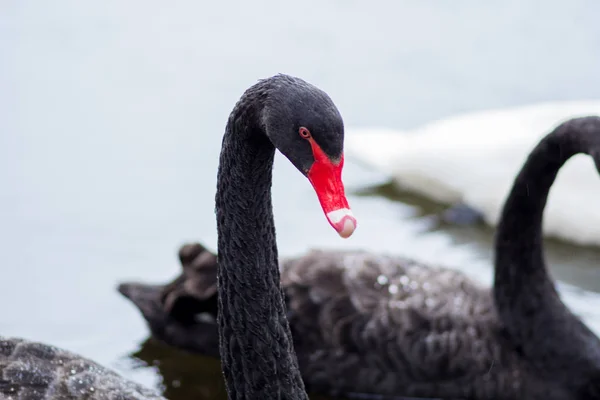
<point x="361" y="323"/>
<point x="472" y="159"/>
<point x="387" y="325"/>
<point x="31" y="370"/>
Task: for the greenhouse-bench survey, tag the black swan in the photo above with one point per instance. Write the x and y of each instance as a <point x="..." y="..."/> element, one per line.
<point x="385" y="325"/>
<point x="301" y="121"/>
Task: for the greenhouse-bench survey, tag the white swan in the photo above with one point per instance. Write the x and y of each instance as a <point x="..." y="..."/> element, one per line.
<point x="473" y="159"/>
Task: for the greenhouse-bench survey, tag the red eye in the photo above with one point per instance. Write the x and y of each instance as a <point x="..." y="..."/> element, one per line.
<point x="304" y="133"/>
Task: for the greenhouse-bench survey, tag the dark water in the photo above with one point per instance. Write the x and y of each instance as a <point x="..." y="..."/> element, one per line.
<point x="111" y="115"/>
<point x="185" y="376"/>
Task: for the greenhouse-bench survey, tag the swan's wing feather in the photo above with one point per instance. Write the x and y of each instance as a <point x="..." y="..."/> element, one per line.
<point x="187" y="295"/>
<point x="31" y="370"/>
<point x="182" y="313"/>
<point x="361" y="321"/>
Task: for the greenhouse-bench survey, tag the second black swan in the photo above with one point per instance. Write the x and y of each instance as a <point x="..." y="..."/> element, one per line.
<point x="387" y="325"/>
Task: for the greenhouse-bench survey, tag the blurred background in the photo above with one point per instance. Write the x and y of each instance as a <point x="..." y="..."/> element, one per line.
<point x="111" y="118"/>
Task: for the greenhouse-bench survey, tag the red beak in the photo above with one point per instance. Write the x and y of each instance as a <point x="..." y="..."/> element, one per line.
<point x="326" y="178"/>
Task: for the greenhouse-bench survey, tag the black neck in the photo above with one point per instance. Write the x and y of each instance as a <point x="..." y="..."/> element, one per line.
<point x="257" y="353"/>
<point x="525" y="295"/>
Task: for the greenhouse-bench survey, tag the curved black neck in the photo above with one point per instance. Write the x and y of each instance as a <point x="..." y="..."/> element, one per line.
<point x="525" y="295"/>
<point x="257" y="353"/>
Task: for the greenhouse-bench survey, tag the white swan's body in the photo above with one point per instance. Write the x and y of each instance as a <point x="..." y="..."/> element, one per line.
<point x="473" y="159"/>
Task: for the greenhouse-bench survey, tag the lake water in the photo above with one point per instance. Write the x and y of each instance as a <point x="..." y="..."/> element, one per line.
<point x="112" y="112"/>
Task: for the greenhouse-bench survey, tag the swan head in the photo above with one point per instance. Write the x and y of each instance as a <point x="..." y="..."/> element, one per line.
<point x="304" y="124"/>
